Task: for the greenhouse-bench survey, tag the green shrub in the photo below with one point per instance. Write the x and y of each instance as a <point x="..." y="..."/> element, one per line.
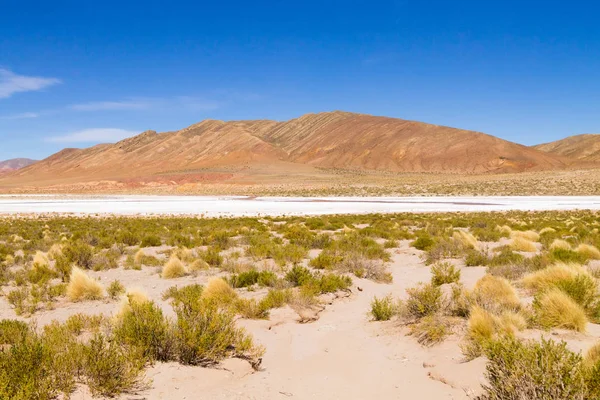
<point x="423" y="242"/>
<point x="184" y="295"/>
<point x="298" y="275"/>
<point x="13" y="331"/>
<point x="424" y="300"/>
<point x="115" y="289"/>
<point x="444" y="272"/>
<point x="213" y="257"/>
<point x="476" y="258"/>
<point x="567" y="256"/>
<point x="326" y="260"/>
<point x="110" y="369"/>
<point x="430" y="330"/>
<point x="275" y="298"/>
<point x="206" y="334"/>
<point x="244" y="279"/>
<point x="382" y="309"/>
<point x="532" y="370"/>
<point x="79" y="253"/>
<point x="151" y="241"/>
<point x="144" y="327"/>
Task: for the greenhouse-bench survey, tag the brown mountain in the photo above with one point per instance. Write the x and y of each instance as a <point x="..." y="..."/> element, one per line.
<point x="326" y="140"/>
<point x="15" y="164"/>
<point x="580" y="147"/>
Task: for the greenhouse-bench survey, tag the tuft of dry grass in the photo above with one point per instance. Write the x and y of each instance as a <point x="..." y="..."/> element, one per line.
<point x="494" y="292"/>
<point x="592" y="356"/>
<point x="466" y="239"/>
<point x="528" y="235"/>
<point x="552" y="275"/>
<point x="40" y="260"/>
<point x="560" y="244"/>
<point x="522" y="244"/>
<point x="82" y="287"/>
<point x="174" y="268"/>
<point x="138" y="259"/>
<point x="511" y="322"/>
<point x="589" y="251"/>
<point x="219" y="290"/>
<point x="198" y="265"/>
<point x="504" y="229"/>
<point x="556" y="309"/>
<point x="547" y="230"/>
<point x="55" y="251"/>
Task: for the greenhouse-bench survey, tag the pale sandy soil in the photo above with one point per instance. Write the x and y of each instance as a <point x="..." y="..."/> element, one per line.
<point x="342" y="355"/>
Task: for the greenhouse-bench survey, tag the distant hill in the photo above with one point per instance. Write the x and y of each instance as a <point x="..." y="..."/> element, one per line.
<point x="580" y="147"/>
<point x="331" y="140"/>
<point x="15" y="164"/>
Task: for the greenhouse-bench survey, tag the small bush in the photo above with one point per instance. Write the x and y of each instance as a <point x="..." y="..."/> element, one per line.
<point x="115" y="289"/>
<point x="431" y="329"/>
<point x="109" y="369"/>
<point x="424" y="300"/>
<point x="79" y="253"/>
<point x="184" y="295"/>
<point x="82" y="287"/>
<point x="298" y="275"/>
<point x="556" y="309"/>
<point x="423" y="242"/>
<point x="532" y="370"/>
<point x="476" y="258"/>
<point x="219" y="291"/>
<point x="206" y="334"/>
<point x="444" y="272"/>
<point x="382" y="309"/>
<point x="567" y="256"/>
<point x="151" y="241"/>
<point x="145" y="328"/>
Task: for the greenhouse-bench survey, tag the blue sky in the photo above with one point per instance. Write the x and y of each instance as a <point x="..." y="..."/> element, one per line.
<point x="76" y="73"/>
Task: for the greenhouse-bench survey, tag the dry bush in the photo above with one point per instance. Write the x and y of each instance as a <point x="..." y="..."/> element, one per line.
<point x="467" y="240"/>
<point x="588" y="251"/>
<point x="82" y="287"/>
<point x="174" y="268"/>
<point x="444" y="272"/>
<point x="556" y="309"/>
<point x="519" y="243"/>
<point x="496" y="293"/>
<point x="383" y="309"/>
<point x="560" y="244"/>
<point x="363" y="267"/>
<point x="592" y="356"/>
<point x="528" y="235"/>
<point x="505" y="229"/>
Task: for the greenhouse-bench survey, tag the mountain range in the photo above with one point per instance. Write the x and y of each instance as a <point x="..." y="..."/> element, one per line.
<point x="329" y="140"/>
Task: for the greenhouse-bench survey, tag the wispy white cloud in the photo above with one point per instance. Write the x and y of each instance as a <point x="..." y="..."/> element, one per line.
<point x="198" y="103"/>
<point x="11" y="83"/>
<point x="94" y="135"/>
<point x="25" y="115"/>
<point x="113" y="105"/>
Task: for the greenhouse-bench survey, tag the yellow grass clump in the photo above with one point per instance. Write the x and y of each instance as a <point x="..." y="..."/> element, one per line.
<point x="138" y="258"/>
<point x="185" y="255"/>
<point x="592" y="356"/>
<point x="132" y="296"/>
<point x="560" y="244"/>
<point x="556" y="309"/>
<point x="521" y="244"/>
<point x="82" y="287"/>
<point x="493" y="292"/>
<point x="547" y="230"/>
<point x="504" y="229"/>
<point x="198" y="265"/>
<point x="55" y="251"/>
<point x="219" y="290"/>
<point x="40" y="260"/>
<point x="552" y="275"/>
<point x="466" y="239"/>
<point x="482" y="325"/>
<point x="511" y="321"/>
<point x="174" y="268"/>
<point x="589" y="251"/>
<point x="529" y="235"/>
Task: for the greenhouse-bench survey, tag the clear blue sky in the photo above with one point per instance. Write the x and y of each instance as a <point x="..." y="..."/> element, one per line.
<point x="74" y="73"/>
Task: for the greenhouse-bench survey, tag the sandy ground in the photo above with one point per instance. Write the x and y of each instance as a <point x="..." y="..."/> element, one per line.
<point x="342" y="355"/>
<point x="212" y="206"/>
